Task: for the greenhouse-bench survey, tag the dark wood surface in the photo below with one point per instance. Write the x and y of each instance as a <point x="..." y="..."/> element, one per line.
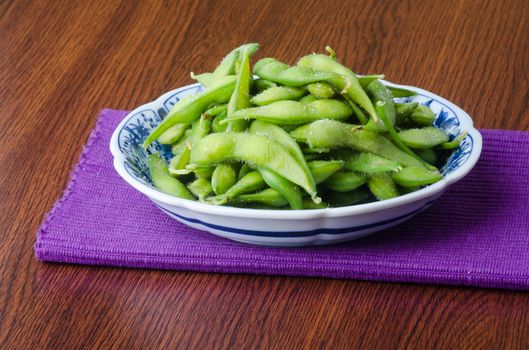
<point x="63" y="61"/>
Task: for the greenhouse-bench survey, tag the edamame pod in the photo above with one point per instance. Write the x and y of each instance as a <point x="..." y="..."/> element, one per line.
<point x="347" y="84"/>
<point x="308" y="98"/>
<point x="224" y="176"/>
<point x="401" y="92"/>
<point x="394" y="136"/>
<point x="163" y="180"/>
<point x="335" y="134"/>
<point x="188" y="110"/>
<point x="365" y="80"/>
<point x="199" y="129"/>
<point x="278" y="134"/>
<point x="300" y="133"/>
<point x="287" y="189"/>
<point x="216" y="110"/>
<point x="422" y="116"/>
<point x="380" y="94"/>
<point x="415" y="177"/>
<point x="173" y="134"/>
<point x="423" y="138"/>
<point x="180" y="160"/>
<point x="427" y="154"/>
<point x="251" y="182"/>
<point x="403" y="113"/>
<point x="263" y="84"/>
<point x="240" y="98"/>
<point x="216" y="124"/>
<point x="179" y="146"/>
<point x="382" y="186"/>
<point x="295" y="113"/>
<point x="226" y="66"/>
<point x="278" y="72"/>
<point x="321" y="90"/>
<point x="322" y="169"/>
<point x="268" y="197"/>
<point x="278" y="93"/>
<point x="344" y="181"/>
<point x="201" y="188"/>
<point x="370" y="163"/>
<point x="245" y="169"/>
<point x="454" y="144"/>
<point x="258" y="150"/>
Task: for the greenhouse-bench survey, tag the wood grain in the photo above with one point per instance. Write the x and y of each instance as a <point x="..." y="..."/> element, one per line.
<point x="63" y="61"/>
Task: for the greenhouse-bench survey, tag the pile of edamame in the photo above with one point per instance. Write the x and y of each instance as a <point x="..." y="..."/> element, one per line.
<point x="309" y="136"/>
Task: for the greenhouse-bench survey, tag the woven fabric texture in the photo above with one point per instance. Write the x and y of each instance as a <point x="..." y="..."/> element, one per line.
<point x="476" y="234"/>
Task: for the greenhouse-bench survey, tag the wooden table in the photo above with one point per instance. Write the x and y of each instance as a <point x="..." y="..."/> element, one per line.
<point x="63" y="61"/>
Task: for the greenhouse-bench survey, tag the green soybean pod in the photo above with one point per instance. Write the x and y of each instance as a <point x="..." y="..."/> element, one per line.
<point x="173" y="134"/>
<point x="422" y="116"/>
<point x="182" y="154"/>
<point x="204" y="172"/>
<point x="300" y="133"/>
<point x="365" y="80"/>
<point x="179" y="146"/>
<point x="454" y="144"/>
<point x="216" y="125"/>
<point x="308" y="98"/>
<point x="224" y="176"/>
<point x="423" y="138"/>
<point x="347" y="83"/>
<point x="380" y="94"/>
<point x="321" y="90"/>
<point x="263" y="84"/>
<point x="334" y="134"/>
<point x="216" y="110"/>
<point x="255" y="149"/>
<point x="268" y="197"/>
<point x="189" y="109"/>
<point x="403" y="113"/>
<point x="271" y="69"/>
<point x="401" y="92"/>
<point x="200" y="129"/>
<point x="370" y="163"/>
<point x="201" y="188"/>
<point x="245" y="169"/>
<point x="226" y="66"/>
<point x="278" y="93"/>
<point x="278" y="134"/>
<point x="396" y="137"/>
<point x="428" y="155"/>
<point x="295" y="113"/>
<point x="382" y="186"/>
<point x="163" y="180"/>
<point x="180" y="160"/>
<point x="240" y="98"/>
<point x="344" y="181"/>
<point x="251" y="182"/>
<point x="322" y="169"/>
<point x="415" y="177"/>
<point x="287" y="189"/>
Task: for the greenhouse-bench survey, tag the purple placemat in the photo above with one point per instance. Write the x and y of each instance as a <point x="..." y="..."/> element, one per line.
<point x="476" y="235"/>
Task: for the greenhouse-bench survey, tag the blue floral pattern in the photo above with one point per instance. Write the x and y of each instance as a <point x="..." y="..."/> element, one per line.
<point x="136" y="129"/>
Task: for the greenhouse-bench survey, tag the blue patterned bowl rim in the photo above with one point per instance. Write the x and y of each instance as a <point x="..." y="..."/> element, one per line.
<point x="129" y="157"/>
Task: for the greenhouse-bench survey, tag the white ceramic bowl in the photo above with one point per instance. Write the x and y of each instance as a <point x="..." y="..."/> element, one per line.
<point x="288" y="227"/>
